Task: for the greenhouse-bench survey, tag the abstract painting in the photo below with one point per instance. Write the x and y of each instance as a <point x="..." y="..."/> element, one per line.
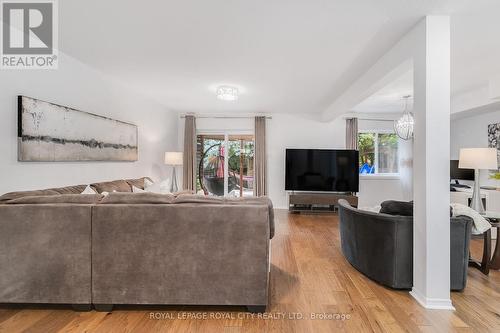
<point x="49" y="132"/>
<point x="494" y="138"/>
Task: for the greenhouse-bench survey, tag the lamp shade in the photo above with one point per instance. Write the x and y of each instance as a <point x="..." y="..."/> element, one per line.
<point x="478" y="158"/>
<point x="173" y="158"/>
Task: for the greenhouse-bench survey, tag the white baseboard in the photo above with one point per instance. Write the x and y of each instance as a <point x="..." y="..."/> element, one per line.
<point x="432" y="303"/>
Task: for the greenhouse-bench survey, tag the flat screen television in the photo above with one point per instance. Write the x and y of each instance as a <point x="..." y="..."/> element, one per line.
<point x="322" y="170"/>
<point x="460" y="174"/>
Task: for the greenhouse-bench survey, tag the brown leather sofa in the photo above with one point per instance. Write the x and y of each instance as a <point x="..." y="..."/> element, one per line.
<point x="134" y="248"/>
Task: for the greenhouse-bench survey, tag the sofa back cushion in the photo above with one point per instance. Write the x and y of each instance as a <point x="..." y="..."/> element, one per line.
<point x="116" y="185"/>
<point x="75" y="199"/>
<point x="202" y="199"/>
<point x="75" y="189"/>
<point x="137" y="198"/>
<point x="112" y="186"/>
<point x="197" y="198"/>
<point x="14" y="195"/>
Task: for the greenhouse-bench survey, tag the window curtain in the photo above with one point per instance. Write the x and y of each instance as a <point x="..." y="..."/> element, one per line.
<point x="189" y="166"/>
<point x="260" y="160"/>
<point x="351" y="133"/>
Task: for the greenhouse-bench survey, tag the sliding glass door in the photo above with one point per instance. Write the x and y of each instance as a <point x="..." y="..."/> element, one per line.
<point x="225" y="164"/>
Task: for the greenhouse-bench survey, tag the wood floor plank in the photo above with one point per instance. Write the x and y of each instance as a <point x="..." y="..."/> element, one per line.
<point x="53" y="322"/>
<point x="7" y="313"/>
<point x="310" y="279"/>
<point x="85" y="322"/>
<point x="22" y="320"/>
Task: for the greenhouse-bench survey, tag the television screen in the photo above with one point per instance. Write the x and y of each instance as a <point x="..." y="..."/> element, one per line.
<point x="460" y="174"/>
<point x="322" y="170"/>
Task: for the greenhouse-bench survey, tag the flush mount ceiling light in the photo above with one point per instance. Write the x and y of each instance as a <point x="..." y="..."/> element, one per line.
<point x="227" y="93"/>
<point x="404" y="125"/>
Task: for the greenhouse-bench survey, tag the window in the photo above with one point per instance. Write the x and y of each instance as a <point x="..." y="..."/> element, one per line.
<point x="378" y="153"/>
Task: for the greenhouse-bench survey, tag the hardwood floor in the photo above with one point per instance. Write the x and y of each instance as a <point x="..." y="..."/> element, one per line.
<point x="309" y="276"/>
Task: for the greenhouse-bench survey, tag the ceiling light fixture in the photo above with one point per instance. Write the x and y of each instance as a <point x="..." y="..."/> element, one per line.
<point x="404" y="125"/>
<point x="227" y="93"/>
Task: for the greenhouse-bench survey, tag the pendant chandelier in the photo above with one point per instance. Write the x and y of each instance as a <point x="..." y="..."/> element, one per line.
<point x="404" y="125"/>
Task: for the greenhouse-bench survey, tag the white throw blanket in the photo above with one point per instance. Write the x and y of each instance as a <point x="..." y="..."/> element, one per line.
<point x="480" y="224"/>
<point x="374" y="209"/>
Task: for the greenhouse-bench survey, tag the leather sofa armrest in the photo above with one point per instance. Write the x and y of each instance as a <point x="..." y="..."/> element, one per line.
<point x="460" y="235"/>
<point x="379" y="245"/>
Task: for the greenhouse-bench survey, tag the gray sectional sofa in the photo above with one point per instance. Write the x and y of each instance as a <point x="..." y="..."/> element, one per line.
<point x="381" y="246"/>
<point x="134" y="248"/>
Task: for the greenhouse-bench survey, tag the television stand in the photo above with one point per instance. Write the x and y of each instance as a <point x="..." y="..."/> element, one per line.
<point x="307" y="202"/>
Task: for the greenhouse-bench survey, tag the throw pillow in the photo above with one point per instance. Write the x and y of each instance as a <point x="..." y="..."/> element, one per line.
<point x="393" y="207"/>
<point x="139" y="182"/>
<point x="148" y="182"/>
<point x="137" y="190"/>
<point x="116" y="185"/>
<point x="88" y="190"/>
<point x="158" y="187"/>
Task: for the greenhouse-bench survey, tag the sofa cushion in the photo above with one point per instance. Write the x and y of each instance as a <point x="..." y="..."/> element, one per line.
<point x="14" y="195"/>
<point x="78" y="199"/>
<point x="198" y="198"/>
<point x="112" y="186"/>
<point x="139" y="182"/>
<point x="137" y="198"/>
<point x="203" y="199"/>
<point x="393" y="207"/>
<point x="256" y="201"/>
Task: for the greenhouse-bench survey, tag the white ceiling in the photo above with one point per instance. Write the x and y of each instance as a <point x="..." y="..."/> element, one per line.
<point x="390" y="98"/>
<point x="284" y="55"/>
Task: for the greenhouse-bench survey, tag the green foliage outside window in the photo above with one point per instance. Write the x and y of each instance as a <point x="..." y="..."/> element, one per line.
<point x="378" y="152"/>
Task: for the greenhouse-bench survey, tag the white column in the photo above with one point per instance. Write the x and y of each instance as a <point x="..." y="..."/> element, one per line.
<point x="431" y="263"/>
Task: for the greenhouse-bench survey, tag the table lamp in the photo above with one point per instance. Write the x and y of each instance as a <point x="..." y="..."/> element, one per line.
<point x="173" y="158"/>
<point x="478" y="159"/>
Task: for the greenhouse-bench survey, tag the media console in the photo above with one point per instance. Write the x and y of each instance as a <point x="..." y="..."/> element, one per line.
<point x="318" y="202"/>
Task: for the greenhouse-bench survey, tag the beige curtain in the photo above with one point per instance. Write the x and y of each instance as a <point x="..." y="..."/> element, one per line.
<point x="351" y="133"/>
<point x="189" y="167"/>
<point x="260" y="160"/>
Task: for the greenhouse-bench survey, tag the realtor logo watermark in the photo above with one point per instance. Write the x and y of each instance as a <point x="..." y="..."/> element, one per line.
<point x="29" y="34"/>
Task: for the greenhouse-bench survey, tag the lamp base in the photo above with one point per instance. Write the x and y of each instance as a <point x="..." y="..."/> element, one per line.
<point x="476" y="203"/>
<point x="173" y="184"/>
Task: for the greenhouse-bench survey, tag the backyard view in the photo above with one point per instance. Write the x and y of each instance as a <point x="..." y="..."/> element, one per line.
<point x="211" y="154"/>
<point x="378" y="153"/>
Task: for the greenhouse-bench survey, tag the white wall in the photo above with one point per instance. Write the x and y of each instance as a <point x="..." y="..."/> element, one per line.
<point x="472" y="132"/>
<point x="292" y="131"/>
<point x="76" y="85"/>
<point x="295" y="131"/>
<point x="374" y="189"/>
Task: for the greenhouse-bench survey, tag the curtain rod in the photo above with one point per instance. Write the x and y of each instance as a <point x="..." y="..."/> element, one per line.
<point x="374" y="119"/>
<point x="370" y="119"/>
<point x="224" y="117"/>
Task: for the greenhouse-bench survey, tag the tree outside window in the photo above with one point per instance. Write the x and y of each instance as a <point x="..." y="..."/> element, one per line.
<point x="378" y="153"/>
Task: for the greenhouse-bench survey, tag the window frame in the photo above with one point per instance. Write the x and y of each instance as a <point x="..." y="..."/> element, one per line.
<point x="385" y="175"/>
